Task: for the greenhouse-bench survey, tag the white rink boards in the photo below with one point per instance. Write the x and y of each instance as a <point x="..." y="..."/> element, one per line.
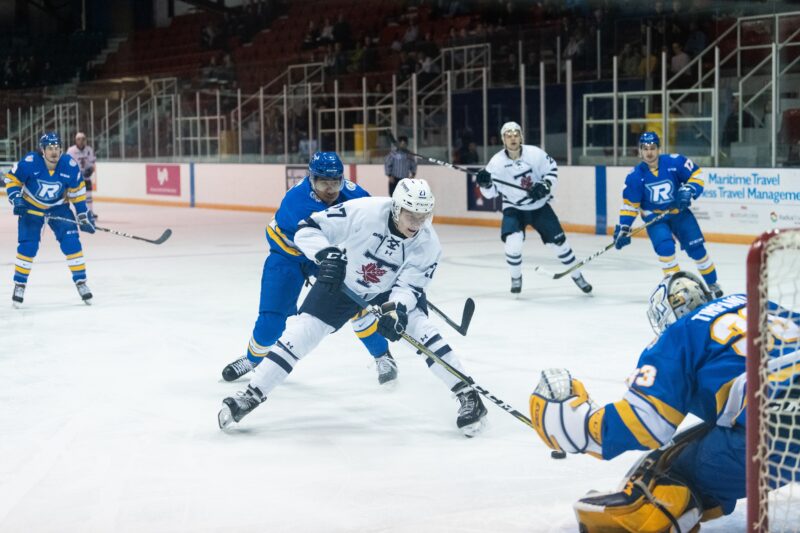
<point x="109" y="412"/>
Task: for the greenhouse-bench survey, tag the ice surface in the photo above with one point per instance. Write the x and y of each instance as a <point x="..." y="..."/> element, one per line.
<point x="108" y="412"/>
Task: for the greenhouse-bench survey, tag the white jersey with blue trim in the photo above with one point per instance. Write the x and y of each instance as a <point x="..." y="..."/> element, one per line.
<point x="378" y="260"/>
<point x="533" y="166"/>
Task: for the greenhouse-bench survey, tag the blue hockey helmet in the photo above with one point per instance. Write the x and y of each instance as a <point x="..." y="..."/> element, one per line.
<point x="649" y="137"/>
<point x="326" y="165"/>
<point x="50" y="138"/>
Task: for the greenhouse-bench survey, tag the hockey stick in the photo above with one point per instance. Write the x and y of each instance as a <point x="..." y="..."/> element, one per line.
<point x="445" y="163"/>
<point x="598" y="253"/>
<point x="164" y="236"/>
<point x="428" y="353"/>
<point x="466" y="316"/>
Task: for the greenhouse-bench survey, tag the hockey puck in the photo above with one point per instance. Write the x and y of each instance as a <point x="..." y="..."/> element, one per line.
<point x="555" y="454"/>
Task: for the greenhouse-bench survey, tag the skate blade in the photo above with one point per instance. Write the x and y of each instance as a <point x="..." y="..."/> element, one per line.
<point x="474" y="429"/>
<point x="16" y="305"/>
<point x="88" y="302"/>
<point x="389" y="385"/>
<point x="224" y="417"/>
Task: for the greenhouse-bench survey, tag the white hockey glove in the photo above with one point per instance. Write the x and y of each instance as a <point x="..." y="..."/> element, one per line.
<point x="564" y="415"/>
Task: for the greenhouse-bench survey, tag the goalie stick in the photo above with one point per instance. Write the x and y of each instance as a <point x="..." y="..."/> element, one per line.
<point x="164" y="236"/>
<point x="598" y="253"/>
<point x="445" y="163"/>
<point x="428" y="353"/>
<point x="466" y="316"/>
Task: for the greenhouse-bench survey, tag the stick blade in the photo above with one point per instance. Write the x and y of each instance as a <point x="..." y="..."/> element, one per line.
<point x="164" y="236"/>
<point x="466" y="317"/>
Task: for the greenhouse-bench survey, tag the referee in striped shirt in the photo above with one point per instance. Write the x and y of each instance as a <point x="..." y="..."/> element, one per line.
<point x="399" y="164"/>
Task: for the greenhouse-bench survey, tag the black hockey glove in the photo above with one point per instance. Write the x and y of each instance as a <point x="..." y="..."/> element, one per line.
<point x="484" y="178"/>
<point x="393" y="321"/>
<point x="539" y="190"/>
<point x="88" y="172"/>
<point x="332" y="268"/>
<point x="86" y="222"/>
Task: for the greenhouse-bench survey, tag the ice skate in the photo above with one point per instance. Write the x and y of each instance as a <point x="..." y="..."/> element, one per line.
<point x="237" y="407"/>
<point x="237" y="369"/>
<point x="516" y="285"/>
<point x="83" y="290"/>
<point x="716" y="290"/>
<point x="387" y="370"/>
<point x="470" y="413"/>
<point x="582" y="284"/>
<point x="18" y="295"/>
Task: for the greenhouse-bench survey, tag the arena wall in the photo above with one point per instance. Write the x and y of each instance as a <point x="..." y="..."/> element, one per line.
<point x="737" y="205"/>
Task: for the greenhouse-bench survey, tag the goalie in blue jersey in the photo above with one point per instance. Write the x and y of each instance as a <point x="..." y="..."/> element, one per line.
<point x="664" y="183"/>
<point x="696" y="365"/>
<point x="286" y="269"/>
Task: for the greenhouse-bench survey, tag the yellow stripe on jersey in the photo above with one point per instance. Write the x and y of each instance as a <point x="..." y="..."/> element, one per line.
<point x="723" y="393"/>
<point x="628" y="213"/>
<point x="784" y="373"/>
<point x="32" y="200"/>
<point x="280" y="239"/>
<point x="77" y="268"/>
<point x="367" y="332"/>
<point x="635" y="426"/>
<point x="12" y="181"/>
<point x="75" y="255"/>
<point x="24" y="257"/>
<point x="632" y="204"/>
<point x="81" y="198"/>
<point x="22" y="270"/>
<point x="669" y="413"/>
<point x="52" y="171"/>
<point x="705" y="271"/>
<point x="666" y="258"/>
<point x="696" y="177"/>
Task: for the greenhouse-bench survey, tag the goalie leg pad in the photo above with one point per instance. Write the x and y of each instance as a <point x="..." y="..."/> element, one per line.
<point x="649" y="504"/>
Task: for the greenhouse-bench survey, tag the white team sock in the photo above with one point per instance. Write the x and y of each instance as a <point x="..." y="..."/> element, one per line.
<point x="513" y="249"/>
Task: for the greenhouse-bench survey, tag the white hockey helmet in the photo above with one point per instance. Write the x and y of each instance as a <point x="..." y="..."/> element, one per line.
<point x="414" y="195"/>
<point x="510" y="126"/>
<point x="676" y="296"/>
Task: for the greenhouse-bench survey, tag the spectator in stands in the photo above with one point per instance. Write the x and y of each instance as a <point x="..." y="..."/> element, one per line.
<point x="342" y="32"/>
<point x="629" y="61"/>
<point x="369" y="55"/>
<point x="469" y="155"/>
<point x="208" y="36"/>
<point x="410" y="36"/>
<point x="678" y="61"/>
<point x="354" y="63"/>
<point x="329" y="60"/>
<point x="340" y="59"/>
<point x="576" y="48"/>
<point x="696" y="41"/>
<point x="326" y="35"/>
<point x="428" y="70"/>
<point x="311" y="38"/>
<point x="407" y="66"/>
<point x="648" y="63"/>
<point x="427" y="46"/>
<point x="730" y="132"/>
<point x="399" y="164"/>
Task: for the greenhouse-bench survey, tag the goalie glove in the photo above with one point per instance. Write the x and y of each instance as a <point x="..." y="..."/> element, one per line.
<point x="564" y="416"/>
<point x="393" y="321"/>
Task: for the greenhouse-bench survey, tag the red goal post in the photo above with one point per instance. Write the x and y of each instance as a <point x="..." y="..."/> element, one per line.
<point x="773" y="412"/>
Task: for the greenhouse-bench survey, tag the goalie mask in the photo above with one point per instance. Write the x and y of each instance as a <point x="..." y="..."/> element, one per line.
<point x="676" y="296"/>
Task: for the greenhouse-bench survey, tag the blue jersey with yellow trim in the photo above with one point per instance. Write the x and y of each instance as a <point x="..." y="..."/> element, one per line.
<point x="298" y="204"/>
<point x="652" y="193"/>
<point x="44" y="189"/>
<point x="696" y="366"/>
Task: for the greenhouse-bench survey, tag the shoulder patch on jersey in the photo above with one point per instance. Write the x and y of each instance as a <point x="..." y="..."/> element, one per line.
<point x="674" y="156"/>
<point x="72" y="163"/>
<point x="29" y="158"/>
<point x="350" y="185"/>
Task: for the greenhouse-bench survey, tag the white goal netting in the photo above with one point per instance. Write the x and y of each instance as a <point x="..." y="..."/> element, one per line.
<point x="773" y="423"/>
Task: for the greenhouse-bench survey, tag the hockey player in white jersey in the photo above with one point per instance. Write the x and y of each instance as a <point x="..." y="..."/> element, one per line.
<point x="385" y="250"/>
<point x="532" y="175"/>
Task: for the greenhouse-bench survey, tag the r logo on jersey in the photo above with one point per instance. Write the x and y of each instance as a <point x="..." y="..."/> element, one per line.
<point x="48" y="190"/>
<point x="660" y="192"/>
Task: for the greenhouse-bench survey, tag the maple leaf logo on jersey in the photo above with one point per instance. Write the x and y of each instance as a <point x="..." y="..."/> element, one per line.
<point x="371" y="272"/>
<point x="526" y="182"/>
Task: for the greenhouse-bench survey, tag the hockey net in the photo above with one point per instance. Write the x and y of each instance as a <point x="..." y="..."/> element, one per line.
<point x="773" y="382"/>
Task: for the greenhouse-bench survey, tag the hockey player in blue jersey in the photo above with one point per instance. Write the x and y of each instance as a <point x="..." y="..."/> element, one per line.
<point x="666" y="183"/>
<point x="43" y="184"/>
<point x="696" y="365"/>
<point x="286" y="268"/>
